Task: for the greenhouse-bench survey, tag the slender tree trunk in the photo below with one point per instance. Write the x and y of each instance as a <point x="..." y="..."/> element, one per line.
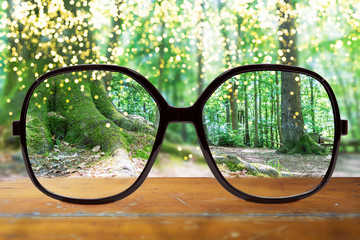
<point x="312" y="105"/>
<point x="247" y="134"/>
<point x="161" y="58"/>
<point x="233" y="107"/>
<point x="266" y="125"/>
<point x="228" y="115"/>
<point x="272" y="126"/>
<point x="261" y="131"/>
<point x="256" y="135"/>
<point x="200" y="50"/>
<point x="278" y="119"/>
<point x="161" y="66"/>
<point x="113" y="38"/>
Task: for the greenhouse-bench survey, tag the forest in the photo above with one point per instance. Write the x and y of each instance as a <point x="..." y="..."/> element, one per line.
<point x="180" y="46"/>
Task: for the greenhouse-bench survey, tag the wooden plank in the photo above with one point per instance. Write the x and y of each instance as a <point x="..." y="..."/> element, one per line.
<point x="181" y="208"/>
<point x="179" y="228"/>
<point x="177" y="196"/>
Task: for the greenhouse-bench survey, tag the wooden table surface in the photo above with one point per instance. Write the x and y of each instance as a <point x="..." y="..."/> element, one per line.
<point x="180" y="208"/>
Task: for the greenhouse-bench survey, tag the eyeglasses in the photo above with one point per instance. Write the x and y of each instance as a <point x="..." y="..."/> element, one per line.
<point x="91" y="133"/>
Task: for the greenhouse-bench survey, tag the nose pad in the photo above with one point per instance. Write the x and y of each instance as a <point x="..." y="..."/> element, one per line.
<point x="180" y="154"/>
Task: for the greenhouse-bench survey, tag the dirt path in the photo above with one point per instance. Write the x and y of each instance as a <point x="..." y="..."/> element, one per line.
<point x="296" y="165"/>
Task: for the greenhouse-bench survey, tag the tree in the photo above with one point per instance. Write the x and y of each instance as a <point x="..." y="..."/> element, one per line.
<point x="296" y="140"/>
<point x="256" y="113"/>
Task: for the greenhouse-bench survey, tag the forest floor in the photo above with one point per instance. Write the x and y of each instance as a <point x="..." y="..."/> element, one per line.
<point x="71" y="160"/>
<point x="298" y="165"/>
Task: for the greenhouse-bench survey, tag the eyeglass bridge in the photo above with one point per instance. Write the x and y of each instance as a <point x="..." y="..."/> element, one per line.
<point x="181" y="114"/>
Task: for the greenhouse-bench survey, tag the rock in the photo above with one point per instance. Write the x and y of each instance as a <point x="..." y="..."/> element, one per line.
<point x="243" y="165"/>
<point x="96" y="148"/>
<point x="66" y="157"/>
<point x="252" y="168"/>
<point x="38" y="168"/>
<point x="57" y="124"/>
<point x="267" y="170"/>
<point x="82" y="165"/>
<point x="219" y="159"/>
<point x="123" y="167"/>
<point x="56" y="158"/>
<point x="140" y="123"/>
<point x="140" y="119"/>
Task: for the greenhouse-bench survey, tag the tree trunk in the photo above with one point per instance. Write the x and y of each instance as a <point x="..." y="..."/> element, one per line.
<point x="233" y="107"/>
<point x="278" y="119"/>
<point x="256" y="135"/>
<point x="228" y="116"/>
<point x="261" y="131"/>
<point x="247" y="134"/>
<point x="116" y="22"/>
<point x="272" y="124"/>
<point x="266" y="125"/>
<point x="200" y="50"/>
<point x="296" y="140"/>
<point x="312" y="105"/>
<point x="292" y="122"/>
<point x="161" y="65"/>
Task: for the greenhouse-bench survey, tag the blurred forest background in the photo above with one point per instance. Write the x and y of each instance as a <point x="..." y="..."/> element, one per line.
<point x="180" y="46"/>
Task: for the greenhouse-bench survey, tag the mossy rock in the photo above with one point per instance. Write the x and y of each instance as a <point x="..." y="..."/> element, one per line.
<point x="235" y="163"/>
<point x="266" y="170"/>
<point x="243" y="165"/>
<point x="57" y="124"/>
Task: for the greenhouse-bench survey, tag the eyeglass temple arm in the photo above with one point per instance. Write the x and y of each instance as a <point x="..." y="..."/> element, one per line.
<point x="344" y="127"/>
<point x="16" y="128"/>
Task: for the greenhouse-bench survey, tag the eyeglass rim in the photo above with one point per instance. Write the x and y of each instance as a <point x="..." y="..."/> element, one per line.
<point x="165" y="108"/>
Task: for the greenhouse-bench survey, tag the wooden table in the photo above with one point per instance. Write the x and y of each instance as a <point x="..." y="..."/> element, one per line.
<point x="180" y="208"/>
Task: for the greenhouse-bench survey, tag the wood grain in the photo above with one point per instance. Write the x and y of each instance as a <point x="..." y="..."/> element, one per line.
<point x="181" y="208"/>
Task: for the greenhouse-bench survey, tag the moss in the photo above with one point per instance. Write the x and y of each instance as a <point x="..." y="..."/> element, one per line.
<point x="233" y="167"/>
<point x="306" y="145"/>
<point x="57" y="124"/>
<point x="143" y="154"/>
<point x="38" y="136"/>
<point x="241" y="166"/>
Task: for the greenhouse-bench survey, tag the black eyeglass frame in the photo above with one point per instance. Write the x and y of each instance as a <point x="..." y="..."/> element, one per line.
<point x="193" y="114"/>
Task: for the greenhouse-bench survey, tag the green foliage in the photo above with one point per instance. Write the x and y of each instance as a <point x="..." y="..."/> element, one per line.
<point x="167" y="41"/>
<point x="233" y="167"/>
<point x="231" y="138"/>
